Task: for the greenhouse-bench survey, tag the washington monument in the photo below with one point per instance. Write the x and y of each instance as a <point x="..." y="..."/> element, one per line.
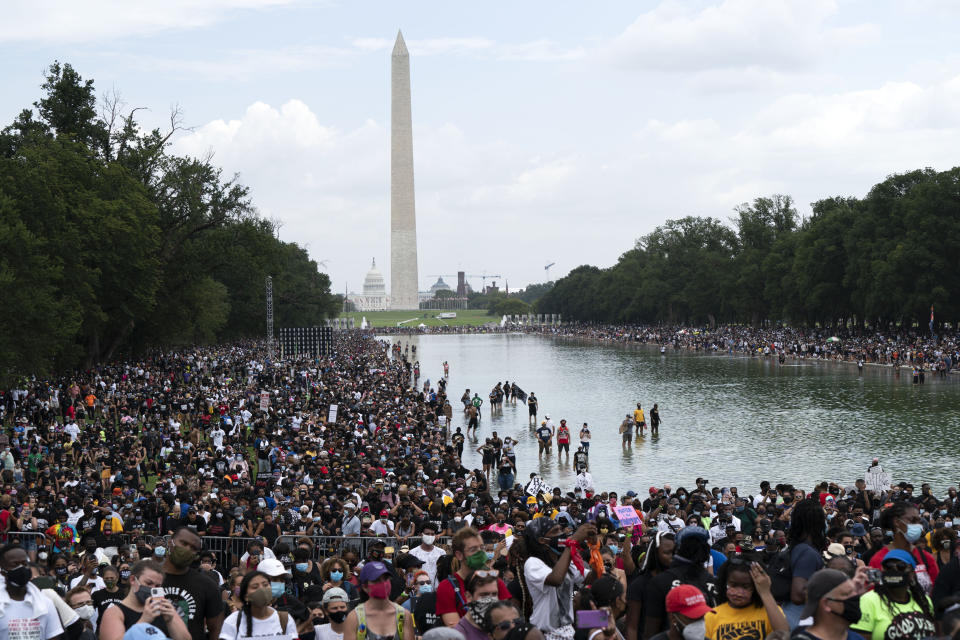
<point x="403" y="215"/>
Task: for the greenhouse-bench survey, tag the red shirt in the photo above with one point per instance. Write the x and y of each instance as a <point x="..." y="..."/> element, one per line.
<point x="928" y="560"/>
<point x="448" y="602"/>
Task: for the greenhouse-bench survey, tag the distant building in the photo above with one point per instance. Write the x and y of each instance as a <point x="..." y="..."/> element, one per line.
<point x="439" y="285"/>
<point x="374" y="296"/>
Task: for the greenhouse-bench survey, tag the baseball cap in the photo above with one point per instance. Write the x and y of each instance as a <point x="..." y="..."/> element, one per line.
<point x="372" y="570"/>
<point x="901" y="555"/>
<point x="834" y="550"/>
<point x="688" y="601"/>
<point x="335" y="594"/>
<point x="631" y="494"/>
<point x="384" y="513"/>
<point x="858" y="530"/>
<point x="820" y="584"/>
<point x="144" y="631"/>
<point x="273" y="568"/>
<point x="408" y="561"/>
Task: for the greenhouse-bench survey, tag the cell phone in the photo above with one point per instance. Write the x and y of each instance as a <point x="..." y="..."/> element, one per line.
<point x="592" y="619"/>
<point x="874" y="576"/>
<point x="157" y="592"/>
<point x="388" y="550"/>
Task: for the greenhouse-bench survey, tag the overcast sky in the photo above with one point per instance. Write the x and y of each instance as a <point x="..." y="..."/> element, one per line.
<point x="544" y="131"/>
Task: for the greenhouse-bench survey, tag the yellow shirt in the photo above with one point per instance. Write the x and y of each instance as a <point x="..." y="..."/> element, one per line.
<point x="729" y="623"/>
<point x="638" y="415"/>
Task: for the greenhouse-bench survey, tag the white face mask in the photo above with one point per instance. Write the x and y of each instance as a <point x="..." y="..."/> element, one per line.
<point x="428" y="539"/>
<point x="85" y="612"/>
<point x="696" y="630"/>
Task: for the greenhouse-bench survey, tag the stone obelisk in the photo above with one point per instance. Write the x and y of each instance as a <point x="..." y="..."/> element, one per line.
<point x="403" y="215"/>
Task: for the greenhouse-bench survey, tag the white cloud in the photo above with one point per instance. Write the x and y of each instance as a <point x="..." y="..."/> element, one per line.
<point x="70" y="21"/>
<point x="784" y="35"/>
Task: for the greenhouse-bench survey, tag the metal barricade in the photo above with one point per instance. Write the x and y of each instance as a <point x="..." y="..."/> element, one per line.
<point x="329" y="546"/>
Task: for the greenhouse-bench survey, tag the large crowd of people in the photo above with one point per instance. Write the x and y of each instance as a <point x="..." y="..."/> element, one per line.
<point x="220" y="493"/>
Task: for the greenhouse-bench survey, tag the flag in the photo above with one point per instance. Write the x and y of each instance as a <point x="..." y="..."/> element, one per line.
<point x="519" y="394"/>
<point x="931" y="318"/>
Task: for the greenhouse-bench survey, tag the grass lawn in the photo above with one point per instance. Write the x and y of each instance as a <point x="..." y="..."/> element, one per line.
<point x="427" y="317"/>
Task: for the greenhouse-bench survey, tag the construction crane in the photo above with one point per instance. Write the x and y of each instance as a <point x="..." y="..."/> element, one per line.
<point x="547" y="269"/>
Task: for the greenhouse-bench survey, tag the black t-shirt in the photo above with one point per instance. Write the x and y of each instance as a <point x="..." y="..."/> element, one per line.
<point x="195" y="597"/>
<point x="425" y="612"/>
<point x="103" y="598"/>
<point x="655" y="594"/>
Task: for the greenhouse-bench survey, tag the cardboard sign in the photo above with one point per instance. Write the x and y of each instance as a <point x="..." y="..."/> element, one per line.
<point x="627" y="516"/>
<point x="332" y="414"/>
<point x="537" y="486"/>
<point x="264" y="400"/>
<point x="878" y="481"/>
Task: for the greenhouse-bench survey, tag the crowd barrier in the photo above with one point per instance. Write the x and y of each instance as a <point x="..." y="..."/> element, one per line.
<point x="229" y="549"/>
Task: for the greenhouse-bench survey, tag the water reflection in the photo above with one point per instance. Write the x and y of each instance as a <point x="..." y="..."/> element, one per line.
<point x="734" y="419"/>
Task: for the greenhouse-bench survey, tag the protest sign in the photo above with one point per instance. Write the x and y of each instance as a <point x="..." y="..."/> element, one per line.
<point x="627" y="516"/>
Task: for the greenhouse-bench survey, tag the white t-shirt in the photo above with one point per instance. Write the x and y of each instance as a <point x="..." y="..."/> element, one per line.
<point x="217" y="436"/>
<point x="269" y="628"/>
<point x="546" y="599"/>
<point x="19" y="622"/>
<point x="429" y="559"/>
<point x="382" y="529"/>
<point x="326" y="632"/>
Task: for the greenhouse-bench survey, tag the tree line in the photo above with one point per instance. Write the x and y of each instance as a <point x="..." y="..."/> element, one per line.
<point x="879" y="261"/>
<point x="110" y="244"/>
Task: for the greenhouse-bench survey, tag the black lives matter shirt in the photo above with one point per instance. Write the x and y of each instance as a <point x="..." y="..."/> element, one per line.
<point x="195" y="597"/>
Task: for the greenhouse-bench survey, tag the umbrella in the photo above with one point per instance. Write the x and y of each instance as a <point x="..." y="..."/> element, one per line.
<point x="833" y="339"/>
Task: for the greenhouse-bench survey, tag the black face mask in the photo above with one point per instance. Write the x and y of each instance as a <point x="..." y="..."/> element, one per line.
<point x="317" y="620"/>
<point x="143" y="594"/>
<point x="337" y="616"/>
<point x="19" y="577"/>
<point x="895" y="578"/>
<point x="851" y="609"/>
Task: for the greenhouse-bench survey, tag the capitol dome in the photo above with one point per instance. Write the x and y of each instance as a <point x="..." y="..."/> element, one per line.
<point x="374" y="284"/>
<point x="439" y="285"/>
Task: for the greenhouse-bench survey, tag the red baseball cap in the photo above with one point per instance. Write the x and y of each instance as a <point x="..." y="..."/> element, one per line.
<point x="384" y="513"/>
<point x="688" y="601"/>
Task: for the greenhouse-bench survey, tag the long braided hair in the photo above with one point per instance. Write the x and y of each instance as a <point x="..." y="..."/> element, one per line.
<point x="516" y="556"/>
<point x="247" y="609"/>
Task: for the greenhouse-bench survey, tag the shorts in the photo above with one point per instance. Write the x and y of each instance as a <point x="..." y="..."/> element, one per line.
<point x="472" y="422"/>
<point x="543" y="445"/>
<point x="563" y="446"/>
<point x="626" y="436"/>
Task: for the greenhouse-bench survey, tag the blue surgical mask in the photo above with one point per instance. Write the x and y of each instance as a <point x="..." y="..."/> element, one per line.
<point x="614" y="548"/>
<point x="277" y="589"/>
<point x="489" y="555"/>
<point x="425" y="588"/>
<point x="336" y="576"/>
<point x="301" y="566"/>
<point x="914" y="532"/>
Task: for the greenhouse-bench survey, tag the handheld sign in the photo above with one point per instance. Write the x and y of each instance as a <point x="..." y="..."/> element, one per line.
<point x="537" y="486"/>
<point x="627" y="516"/>
<point x="264" y="400"/>
<point x="332" y="414"/>
<point x="878" y="481"/>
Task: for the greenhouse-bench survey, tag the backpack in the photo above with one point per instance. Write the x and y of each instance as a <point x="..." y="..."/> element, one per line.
<point x="781" y="575"/>
<point x="362" y="620"/>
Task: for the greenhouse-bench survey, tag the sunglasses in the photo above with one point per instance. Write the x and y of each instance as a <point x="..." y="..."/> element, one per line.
<point x="486" y="573"/>
<point x="506" y="624"/>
